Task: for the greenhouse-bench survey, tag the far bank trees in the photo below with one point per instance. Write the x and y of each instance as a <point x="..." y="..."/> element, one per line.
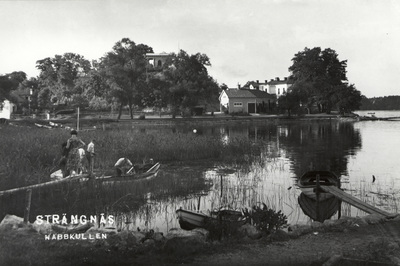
<point x="319" y="80"/>
<point x="122" y="79"/>
<point x="189" y="82"/>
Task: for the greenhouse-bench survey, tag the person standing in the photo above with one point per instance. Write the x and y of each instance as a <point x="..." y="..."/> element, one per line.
<point x="74" y="160"/>
<point x="90" y="156"/>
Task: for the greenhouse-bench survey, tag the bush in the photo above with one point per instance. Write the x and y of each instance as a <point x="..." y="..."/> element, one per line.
<point x="142" y="117"/>
<point x="219" y="229"/>
<point x="265" y="219"/>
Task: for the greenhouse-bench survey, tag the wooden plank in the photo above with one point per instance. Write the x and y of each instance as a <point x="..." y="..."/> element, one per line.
<point x="84" y="178"/>
<point x="10" y="191"/>
<point x="337" y="192"/>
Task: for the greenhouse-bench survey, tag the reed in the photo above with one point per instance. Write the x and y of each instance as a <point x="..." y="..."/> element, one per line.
<point x="28" y="155"/>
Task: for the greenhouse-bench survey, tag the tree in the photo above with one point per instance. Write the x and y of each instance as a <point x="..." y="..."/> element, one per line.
<point x="6" y="86"/>
<point x="125" y="70"/>
<point x="155" y="93"/>
<point x="93" y="89"/>
<point x="290" y="101"/>
<point x="320" y="78"/>
<point x="10" y="82"/>
<point x="60" y="73"/>
<point x="189" y="81"/>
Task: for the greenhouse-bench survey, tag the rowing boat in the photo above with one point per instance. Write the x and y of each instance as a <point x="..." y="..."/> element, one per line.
<point x="189" y="220"/>
<point x="148" y="174"/>
<point x="308" y="183"/>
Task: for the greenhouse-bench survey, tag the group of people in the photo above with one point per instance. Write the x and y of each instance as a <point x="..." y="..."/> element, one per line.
<point x="74" y="155"/>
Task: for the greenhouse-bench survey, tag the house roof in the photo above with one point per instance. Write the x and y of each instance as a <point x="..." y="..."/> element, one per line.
<point x="245" y="93"/>
<point x="275" y="82"/>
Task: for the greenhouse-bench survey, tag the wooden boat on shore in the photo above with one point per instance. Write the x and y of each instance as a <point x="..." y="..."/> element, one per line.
<point x="319" y="210"/>
<point x="189" y="220"/>
<point x="308" y="183"/>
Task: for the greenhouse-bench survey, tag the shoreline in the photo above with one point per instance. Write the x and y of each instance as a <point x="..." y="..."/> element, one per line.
<point x="155" y="120"/>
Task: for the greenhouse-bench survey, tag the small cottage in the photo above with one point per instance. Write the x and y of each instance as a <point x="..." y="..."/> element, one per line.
<point x="246" y="101"/>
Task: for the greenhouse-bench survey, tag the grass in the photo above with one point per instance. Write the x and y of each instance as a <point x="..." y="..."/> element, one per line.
<point x="28" y="155"/>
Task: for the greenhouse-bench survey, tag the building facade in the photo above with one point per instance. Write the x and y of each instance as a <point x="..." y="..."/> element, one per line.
<point x="6" y="109"/>
<point x="246" y="101"/>
<point x="275" y="86"/>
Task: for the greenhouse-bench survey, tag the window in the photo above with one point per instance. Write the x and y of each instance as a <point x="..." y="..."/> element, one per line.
<point x="237" y="104"/>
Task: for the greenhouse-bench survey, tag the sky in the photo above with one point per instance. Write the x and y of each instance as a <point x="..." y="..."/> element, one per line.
<point x="246" y="40"/>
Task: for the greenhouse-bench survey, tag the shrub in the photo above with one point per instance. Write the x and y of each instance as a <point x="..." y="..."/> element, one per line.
<point x="265" y="219"/>
<point x="219" y="228"/>
<point x="142" y="117"/>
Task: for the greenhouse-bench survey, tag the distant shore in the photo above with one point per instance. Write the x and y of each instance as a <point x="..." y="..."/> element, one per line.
<point x="153" y="119"/>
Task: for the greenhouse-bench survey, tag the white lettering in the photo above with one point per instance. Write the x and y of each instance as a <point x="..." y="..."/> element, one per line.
<point x="74" y="219"/>
<point x="39" y="219"/>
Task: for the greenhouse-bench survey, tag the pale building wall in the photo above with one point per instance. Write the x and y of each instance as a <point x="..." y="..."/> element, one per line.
<point x="6" y="109"/>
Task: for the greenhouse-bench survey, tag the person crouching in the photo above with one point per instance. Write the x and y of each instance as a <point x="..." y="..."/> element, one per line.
<point x="123" y="166"/>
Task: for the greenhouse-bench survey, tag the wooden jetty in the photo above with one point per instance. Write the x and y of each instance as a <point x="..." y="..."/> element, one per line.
<point x="340" y="194"/>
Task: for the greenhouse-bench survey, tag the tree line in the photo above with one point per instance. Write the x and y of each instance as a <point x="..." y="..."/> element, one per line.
<point x="319" y="84"/>
<point x="381" y="103"/>
<point x="119" y="79"/>
<point x="122" y="78"/>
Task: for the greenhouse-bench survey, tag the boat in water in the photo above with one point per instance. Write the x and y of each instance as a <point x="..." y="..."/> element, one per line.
<point x="141" y="174"/>
<point x="308" y="183"/>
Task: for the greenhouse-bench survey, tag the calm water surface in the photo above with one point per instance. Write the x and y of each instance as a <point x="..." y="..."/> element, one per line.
<point x="355" y="151"/>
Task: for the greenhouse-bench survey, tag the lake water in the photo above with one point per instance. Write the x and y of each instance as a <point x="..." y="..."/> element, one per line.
<point x="355" y="151"/>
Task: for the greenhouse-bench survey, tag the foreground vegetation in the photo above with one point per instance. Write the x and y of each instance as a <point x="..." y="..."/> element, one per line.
<point x="28" y="155"/>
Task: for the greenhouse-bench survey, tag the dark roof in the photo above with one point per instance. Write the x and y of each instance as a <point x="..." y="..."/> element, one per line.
<point x="245" y="93"/>
<point x="275" y="82"/>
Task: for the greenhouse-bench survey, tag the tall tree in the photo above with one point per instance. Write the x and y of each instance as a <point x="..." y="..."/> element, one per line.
<point x="190" y="83"/>
<point x="125" y="70"/>
<point x="10" y="82"/>
<point x="60" y="73"/>
<point x="6" y="85"/>
<point x="321" y="79"/>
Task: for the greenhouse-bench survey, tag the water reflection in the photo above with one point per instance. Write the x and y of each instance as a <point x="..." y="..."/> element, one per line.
<point x="319" y="210"/>
<point x="289" y="148"/>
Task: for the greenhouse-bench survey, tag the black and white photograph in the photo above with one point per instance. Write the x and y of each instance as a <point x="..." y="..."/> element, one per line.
<point x="199" y="132"/>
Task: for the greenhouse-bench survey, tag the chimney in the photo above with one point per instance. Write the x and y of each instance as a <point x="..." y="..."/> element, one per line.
<point x="271" y="80"/>
<point x="277" y="78"/>
<point x="257" y="81"/>
<point x="266" y="81"/>
<point x="238" y="86"/>
<point x="285" y="78"/>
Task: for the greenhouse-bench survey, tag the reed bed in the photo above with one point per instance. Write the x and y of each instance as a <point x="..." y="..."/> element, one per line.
<point x="28" y="155"/>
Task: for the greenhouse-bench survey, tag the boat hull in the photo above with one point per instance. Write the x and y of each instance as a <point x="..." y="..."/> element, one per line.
<point x="149" y="174"/>
<point x="308" y="184"/>
<point x="189" y="220"/>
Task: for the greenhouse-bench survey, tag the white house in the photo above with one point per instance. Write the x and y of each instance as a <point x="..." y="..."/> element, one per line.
<point x="6" y="109"/>
<point x="274" y="86"/>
